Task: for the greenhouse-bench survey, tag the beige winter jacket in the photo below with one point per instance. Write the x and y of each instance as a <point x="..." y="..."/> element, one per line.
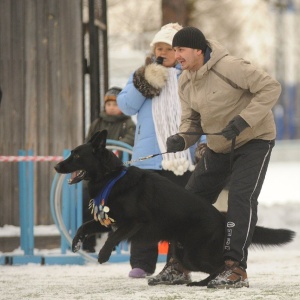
<point x="222" y="88"/>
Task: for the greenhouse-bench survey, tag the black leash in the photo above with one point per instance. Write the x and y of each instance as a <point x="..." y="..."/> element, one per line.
<point x="217" y="133"/>
<point x="188" y="133"/>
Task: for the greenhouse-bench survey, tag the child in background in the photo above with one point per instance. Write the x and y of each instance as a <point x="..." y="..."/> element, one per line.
<point x="119" y="126"/>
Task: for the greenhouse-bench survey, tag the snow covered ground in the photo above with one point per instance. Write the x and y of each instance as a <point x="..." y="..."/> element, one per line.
<point x="273" y="273"/>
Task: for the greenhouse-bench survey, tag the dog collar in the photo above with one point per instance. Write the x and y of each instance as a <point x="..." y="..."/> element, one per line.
<point x="98" y="204"/>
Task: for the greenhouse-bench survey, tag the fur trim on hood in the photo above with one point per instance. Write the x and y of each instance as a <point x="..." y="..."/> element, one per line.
<point x="150" y="78"/>
<point x="156" y="75"/>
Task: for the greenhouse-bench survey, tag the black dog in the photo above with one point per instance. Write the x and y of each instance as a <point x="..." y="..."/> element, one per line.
<point x="144" y="206"/>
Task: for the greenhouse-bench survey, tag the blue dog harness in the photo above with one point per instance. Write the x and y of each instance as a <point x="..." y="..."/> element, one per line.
<point x="98" y="204"/>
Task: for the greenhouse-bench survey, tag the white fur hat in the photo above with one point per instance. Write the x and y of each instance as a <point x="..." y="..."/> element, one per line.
<point x="166" y="34"/>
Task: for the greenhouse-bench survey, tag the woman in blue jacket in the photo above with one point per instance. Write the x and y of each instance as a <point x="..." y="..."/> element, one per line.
<point x="152" y="94"/>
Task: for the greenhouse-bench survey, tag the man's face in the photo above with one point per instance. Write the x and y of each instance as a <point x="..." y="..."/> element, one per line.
<point x="190" y="59"/>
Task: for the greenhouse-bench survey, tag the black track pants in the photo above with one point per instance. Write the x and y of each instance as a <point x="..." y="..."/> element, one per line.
<point x="247" y="174"/>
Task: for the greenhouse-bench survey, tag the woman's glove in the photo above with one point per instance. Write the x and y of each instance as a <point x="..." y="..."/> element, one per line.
<point x="150" y="78"/>
<point x="175" y="143"/>
<point x="234" y="127"/>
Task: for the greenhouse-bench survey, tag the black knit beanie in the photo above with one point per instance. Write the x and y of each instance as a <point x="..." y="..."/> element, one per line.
<point x="190" y="37"/>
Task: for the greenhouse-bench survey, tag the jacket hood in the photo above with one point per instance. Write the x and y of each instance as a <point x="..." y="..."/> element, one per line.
<point x="218" y="51"/>
<point x="109" y="118"/>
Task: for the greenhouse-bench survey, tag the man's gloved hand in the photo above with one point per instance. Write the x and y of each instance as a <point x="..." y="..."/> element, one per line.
<point x="175" y="143"/>
<point x="234" y="127"/>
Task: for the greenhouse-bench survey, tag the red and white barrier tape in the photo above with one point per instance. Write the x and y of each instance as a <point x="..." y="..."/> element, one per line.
<point x="30" y="158"/>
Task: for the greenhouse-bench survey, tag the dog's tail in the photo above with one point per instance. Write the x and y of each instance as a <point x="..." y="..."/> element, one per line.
<point x="271" y="237"/>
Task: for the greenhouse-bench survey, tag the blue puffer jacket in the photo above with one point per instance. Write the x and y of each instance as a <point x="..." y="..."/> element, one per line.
<point x="132" y="102"/>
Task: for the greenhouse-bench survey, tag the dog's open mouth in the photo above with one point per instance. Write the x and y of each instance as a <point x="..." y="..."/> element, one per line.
<point x="77" y="176"/>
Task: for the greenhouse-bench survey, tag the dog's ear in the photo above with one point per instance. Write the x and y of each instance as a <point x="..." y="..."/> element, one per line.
<point x="103" y="137"/>
<point x="97" y="135"/>
<point x="98" y="140"/>
<point x="94" y="137"/>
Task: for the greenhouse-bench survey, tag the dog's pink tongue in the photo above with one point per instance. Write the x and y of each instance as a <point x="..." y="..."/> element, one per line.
<point x="70" y="181"/>
<point x="76" y="177"/>
<point x="73" y="178"/>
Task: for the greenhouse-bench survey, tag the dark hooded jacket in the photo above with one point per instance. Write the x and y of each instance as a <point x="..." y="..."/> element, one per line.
<point x="120" y="127"/>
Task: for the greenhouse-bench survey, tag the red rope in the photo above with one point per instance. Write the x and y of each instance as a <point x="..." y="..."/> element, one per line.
<point x="30" y="158"/>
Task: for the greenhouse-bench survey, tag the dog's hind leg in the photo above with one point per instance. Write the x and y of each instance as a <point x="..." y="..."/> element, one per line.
<point x="173" y="249"/>
<point x="203" y="282"/>
<point x="177" y="250"/>
<point x="121" y="234"/>
<point x="85" y="230"/>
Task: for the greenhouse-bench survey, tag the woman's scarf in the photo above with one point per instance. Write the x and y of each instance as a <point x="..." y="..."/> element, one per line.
<point x="166" y="110"/>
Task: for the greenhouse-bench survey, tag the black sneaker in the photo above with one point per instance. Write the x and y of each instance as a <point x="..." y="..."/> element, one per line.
<point x="232" y="276"/>
<point x="171" y="274"/>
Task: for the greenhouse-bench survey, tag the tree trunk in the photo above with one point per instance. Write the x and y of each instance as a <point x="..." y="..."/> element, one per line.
<point x="175" y="11"/>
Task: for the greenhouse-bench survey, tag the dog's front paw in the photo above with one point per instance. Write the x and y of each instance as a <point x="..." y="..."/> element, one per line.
<point x="76" y="245"/>
<point x="103" y="256"/>
<point x="77" y="242"/>
<point x="79" y="238"/>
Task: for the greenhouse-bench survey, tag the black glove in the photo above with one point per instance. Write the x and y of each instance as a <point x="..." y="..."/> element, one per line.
<point x="234" y="128"/>
<point x="175" y="143"/>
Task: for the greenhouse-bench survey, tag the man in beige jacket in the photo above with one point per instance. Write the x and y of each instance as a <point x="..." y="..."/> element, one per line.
<point x="223" y="94"/>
